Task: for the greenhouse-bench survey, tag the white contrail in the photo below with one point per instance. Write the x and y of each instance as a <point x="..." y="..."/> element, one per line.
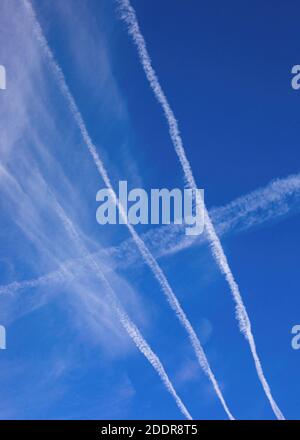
<point x="129" y="16"/>
<point x="128" y="325"/>
<point x="250" y="210"/>
<point x="146" y="254"/>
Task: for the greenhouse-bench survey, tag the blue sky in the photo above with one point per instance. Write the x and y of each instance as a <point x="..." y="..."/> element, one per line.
<point x="226" y="70"/>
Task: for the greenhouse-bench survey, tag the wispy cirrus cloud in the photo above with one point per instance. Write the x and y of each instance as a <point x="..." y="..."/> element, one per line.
<point x="34" y="167"/>
<point x="36" y="137"/>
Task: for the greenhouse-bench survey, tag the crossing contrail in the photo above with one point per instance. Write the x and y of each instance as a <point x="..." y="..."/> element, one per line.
<point x="277" y="199"/>
<point x="130" y="18"/>
<point x="146" y="254"/>
<point x="126" y="322"/>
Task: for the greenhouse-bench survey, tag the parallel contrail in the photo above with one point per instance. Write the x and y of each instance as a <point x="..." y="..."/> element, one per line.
<point x="130" y="18"/>
<point x="128" y="325"/>
<point x="146" y="254"/>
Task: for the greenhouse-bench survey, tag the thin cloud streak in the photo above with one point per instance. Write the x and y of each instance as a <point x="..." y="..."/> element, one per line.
<point x="129" y="17"/>
<point x="278" y="199"/>
<point x="146" y="254"/>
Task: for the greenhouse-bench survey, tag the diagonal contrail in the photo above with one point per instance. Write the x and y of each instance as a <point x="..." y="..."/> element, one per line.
<point x="128" y="325"/>
<point x="146" y="254"/>
<point x="129" y="16"/>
